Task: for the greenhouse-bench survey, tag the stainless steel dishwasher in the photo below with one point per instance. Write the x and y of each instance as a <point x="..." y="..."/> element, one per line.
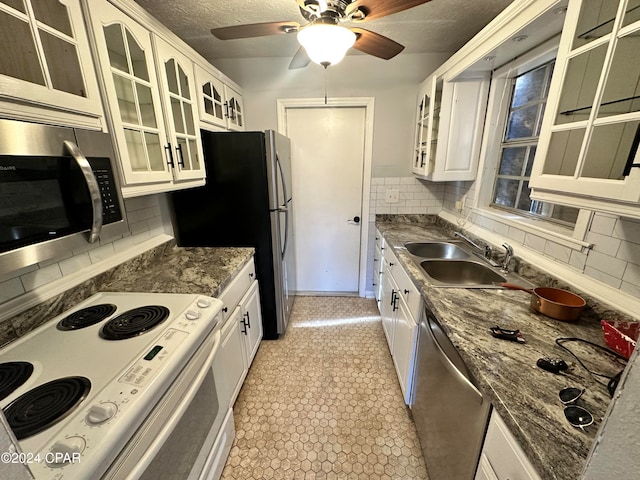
<point x="449" y="411"/>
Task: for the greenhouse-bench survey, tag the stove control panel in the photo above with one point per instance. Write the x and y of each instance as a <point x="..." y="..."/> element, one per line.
<point x="148" y="367"/>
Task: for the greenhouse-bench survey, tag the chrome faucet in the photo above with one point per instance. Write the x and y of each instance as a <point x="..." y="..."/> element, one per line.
<point x="486" y="250"/>
<point x="507" y="257"/>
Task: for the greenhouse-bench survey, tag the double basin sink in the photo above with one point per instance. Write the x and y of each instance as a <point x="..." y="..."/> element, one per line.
<point x="452" y="264"/>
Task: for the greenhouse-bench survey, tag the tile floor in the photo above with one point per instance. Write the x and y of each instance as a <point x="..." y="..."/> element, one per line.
<point x="324" y="402"/>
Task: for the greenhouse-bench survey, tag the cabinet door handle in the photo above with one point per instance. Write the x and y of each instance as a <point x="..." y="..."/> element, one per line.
<point x="180" y="155"/>
<point x="244" y="327"/>
<point x="406" y="292"/>
<point x="391" y="264"/>
<point x="251" y="275"/>
<point x="395" y="303"/>
<point x="225" y="309"/>
<point x="393" y="297"/>
<point x="248" y="324"/>
<point x="167" y="148"/>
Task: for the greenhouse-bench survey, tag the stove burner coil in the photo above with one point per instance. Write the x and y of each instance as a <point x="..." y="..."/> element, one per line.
<point x="45" y="405"/>
<point x="86" y="317"/>
<point x="12" y="375"/>
<point x="134" y="322"/>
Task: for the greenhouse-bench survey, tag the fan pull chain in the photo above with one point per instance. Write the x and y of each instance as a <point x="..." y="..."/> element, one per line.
<point x="325" y="84"/>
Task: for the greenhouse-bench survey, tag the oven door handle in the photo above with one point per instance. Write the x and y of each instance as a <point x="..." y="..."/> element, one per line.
<point x="169" y="426"/>
<point x="94" y="189"/>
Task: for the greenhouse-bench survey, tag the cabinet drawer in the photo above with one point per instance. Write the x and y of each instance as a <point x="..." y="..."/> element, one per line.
<point x="505" y="456"/>
<point x="409" y="292"/>
<point x="231" y="295"/>
<point x="379" y="240"/>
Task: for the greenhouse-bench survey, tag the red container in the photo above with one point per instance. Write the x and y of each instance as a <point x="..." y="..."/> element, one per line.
<point x="621" y="336"/>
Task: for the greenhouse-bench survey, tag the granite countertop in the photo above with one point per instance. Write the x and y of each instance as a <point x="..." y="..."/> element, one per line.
<point x="164" y="269"/>
<point x="525" y="396"/>
<point x="204" y="270"/>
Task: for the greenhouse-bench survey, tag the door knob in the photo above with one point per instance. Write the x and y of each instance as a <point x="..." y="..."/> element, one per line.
<point x="356" y="219"/>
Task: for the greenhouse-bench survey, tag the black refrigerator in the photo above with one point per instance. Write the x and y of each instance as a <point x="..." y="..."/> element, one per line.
<point x="246" y="202"/>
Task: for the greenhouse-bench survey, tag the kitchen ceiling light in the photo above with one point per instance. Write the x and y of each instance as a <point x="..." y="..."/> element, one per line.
<point x="326" y="44"/>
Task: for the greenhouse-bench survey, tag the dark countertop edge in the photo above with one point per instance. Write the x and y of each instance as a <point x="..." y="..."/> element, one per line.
<point x="441" y="229"/>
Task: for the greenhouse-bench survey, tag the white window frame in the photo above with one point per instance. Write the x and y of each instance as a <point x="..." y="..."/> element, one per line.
<point x="495" y="124"/>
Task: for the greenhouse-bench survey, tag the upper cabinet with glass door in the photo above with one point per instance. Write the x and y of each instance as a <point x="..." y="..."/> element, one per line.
<point x="427" y="119"/>
<point x="449" y="128"/>
<point x="46" y="70"/>
<point x="588" y="151"/>
<point x="159" y="147"/>
<point x="178" y="86"/>
<point x="219" y="104"/>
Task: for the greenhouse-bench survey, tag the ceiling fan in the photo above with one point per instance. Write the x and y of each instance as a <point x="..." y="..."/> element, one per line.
<point x="324" y="40"/>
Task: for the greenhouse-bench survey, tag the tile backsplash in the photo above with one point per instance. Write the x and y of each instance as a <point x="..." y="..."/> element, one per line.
<point x="145" y="218"/>
<point x="414" y="197"/>
<point x="614" y="258"/>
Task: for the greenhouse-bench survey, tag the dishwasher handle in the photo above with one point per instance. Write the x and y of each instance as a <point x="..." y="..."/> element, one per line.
<point x="431" y="324"/>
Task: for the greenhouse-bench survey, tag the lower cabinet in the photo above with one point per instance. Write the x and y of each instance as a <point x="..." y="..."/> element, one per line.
<point x="400" y="306"/>
<point x="242" y="328"/>
<point x="502" y="458"/>
<point x="251" y="322"/>
<point x="232" y="355"/>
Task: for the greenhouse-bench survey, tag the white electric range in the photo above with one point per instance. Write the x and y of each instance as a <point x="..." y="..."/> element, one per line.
<point x="98" y="391"/>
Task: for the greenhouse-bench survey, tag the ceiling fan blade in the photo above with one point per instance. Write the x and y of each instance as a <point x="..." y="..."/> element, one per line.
<point x="373" y="9"/>
<point x="255" y="30"/>
<point x="300" y="59"/>
<point x="376" y="44"/>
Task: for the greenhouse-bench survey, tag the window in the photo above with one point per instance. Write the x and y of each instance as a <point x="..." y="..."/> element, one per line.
<point x="528" y="97"/>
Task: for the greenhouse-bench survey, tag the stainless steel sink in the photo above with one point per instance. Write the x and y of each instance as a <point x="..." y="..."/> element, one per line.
<point x="461" y="273"/>
<point x="436" y="250"/>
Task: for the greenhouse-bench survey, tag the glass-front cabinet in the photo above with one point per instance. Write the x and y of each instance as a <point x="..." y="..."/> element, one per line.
<point x="178" y="86"/>
<point x="589" y="143"/>
<point x="449" y="120"/>
<point x="158" y="143"/>
<point x="427" y="122"/>
<point x="219" y="104"/>
<point x="46" y="60"/>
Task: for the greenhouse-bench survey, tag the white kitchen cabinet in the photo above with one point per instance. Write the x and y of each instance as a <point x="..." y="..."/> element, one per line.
<point x="158" y="144"/>
<point x="400" y="309"/>
<point x="251" y="322"/>
<point x="587" y="155"/>
<point x="242" y="327"/>
<point x="179" y="90"/>
<point x="450" y="117"/>
<point x="388" y="297"/>
<point x="377" y="267"/>
<point x="219" y="104"/>
<point x="502" y="458"/>
<point x="47" y="72"/>
<point x="232" y="355"/>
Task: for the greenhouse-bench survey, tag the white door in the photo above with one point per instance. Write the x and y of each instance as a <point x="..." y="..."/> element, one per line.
<point x="327" y="173"/>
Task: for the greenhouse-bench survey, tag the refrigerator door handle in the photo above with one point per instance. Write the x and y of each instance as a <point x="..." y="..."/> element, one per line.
<point x="284" y="184"/>
<point x="283" y="208"/>
<point x="286" y="231"/>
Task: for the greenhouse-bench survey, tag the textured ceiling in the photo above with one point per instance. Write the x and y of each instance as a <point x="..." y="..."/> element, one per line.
<point x="435" y="27"/>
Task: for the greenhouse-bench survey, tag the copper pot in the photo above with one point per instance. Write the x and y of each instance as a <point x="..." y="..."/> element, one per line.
<point x="553" y="302"/>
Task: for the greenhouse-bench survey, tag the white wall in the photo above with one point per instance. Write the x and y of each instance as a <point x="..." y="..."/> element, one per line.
<point x="393" y="84"/>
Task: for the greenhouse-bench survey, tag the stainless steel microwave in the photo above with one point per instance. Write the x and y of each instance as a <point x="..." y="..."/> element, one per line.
<point x="59" y="189"/>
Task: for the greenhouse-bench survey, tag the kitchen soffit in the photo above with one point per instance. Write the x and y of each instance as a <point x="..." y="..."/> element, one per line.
<point x="439" y="26"/>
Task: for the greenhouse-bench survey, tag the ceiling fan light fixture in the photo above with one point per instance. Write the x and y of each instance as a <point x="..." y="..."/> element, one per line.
<point x="326" y="44"/>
